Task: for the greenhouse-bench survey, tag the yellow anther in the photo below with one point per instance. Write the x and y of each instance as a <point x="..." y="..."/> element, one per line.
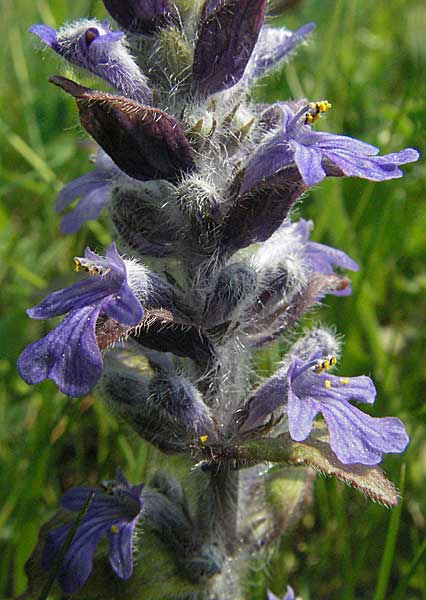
<point x="309" y="119"/>
<point x="114" y="529"/>
<point x="88" y="266"/>
<point x="204" y="438"/>
<point x="327" y="384"/>
<point x="77" y="264"/>
<point x="315" y="109"/>
<point x="344" y="380"/>
<point x="325" y="364"/>
<point x="322" y="106"/>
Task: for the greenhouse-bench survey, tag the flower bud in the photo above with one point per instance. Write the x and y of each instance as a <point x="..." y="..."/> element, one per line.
<point x="184" y="406"/>
<point x="127" y="395"/>
<point x="318" y="339"/>
<point x="167" y="516"/>
<point x="168" y="411"/>
<point x="93" y="46"/>
<point x="235" y="288"/>
<point x="147" y="218"/>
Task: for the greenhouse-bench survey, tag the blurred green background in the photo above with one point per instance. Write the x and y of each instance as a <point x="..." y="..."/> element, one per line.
<point x="369" y="60"/>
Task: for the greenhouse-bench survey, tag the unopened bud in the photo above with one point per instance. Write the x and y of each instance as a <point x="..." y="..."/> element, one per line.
<point x="235" y="287"/>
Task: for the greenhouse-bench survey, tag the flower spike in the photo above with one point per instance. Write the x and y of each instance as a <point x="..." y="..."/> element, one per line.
<point x="201" y="181"/>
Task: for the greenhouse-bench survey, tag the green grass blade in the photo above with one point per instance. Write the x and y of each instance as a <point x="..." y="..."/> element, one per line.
<point x="402" y="586"/>
<point x="389" y="550"/>
<point x="27" y="153"/>
<point x="64" y="548"/>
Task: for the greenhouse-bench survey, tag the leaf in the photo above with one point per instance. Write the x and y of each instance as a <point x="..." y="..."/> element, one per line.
<point x="164" y="335"/>
<point x="274" y="502"/>
<point x="108" y="332"/>
<point x="316" y="453"/>
<point x="140" y="17"/>
<point x="226" y="39"/>
<point x="145" y="142"/>
<point x="257" y="213"/>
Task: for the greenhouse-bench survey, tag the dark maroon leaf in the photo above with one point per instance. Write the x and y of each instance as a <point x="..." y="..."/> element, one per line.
<point x="164" y="335"/>
<point x="140" y="16"/>
<point x="257" y="213"/>
<point x="226" y="39"/>
<point x="145" y="142"/>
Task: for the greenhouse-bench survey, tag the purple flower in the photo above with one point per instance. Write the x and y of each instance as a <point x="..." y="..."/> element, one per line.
<point x="322" y="258"/>
<point x="318" y="154"/>
<point x="94" y="191"/>
<point x="93" y="46"/>
<point x="289" y="595"/>
<point x="114" y="513"/>
<point x="355" y="437"/>
<point x="69" y="354"/>
<point x="273" y="46"/>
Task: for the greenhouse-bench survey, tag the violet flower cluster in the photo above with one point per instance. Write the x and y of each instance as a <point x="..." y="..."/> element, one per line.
<point x="200" y="183"/>
<point x="114" y="512"/>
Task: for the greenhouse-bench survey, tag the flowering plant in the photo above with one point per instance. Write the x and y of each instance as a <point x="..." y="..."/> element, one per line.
<point x="194" y="174"/>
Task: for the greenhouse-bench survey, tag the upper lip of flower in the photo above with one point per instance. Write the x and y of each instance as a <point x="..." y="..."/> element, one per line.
<point x="108" y="290"/>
